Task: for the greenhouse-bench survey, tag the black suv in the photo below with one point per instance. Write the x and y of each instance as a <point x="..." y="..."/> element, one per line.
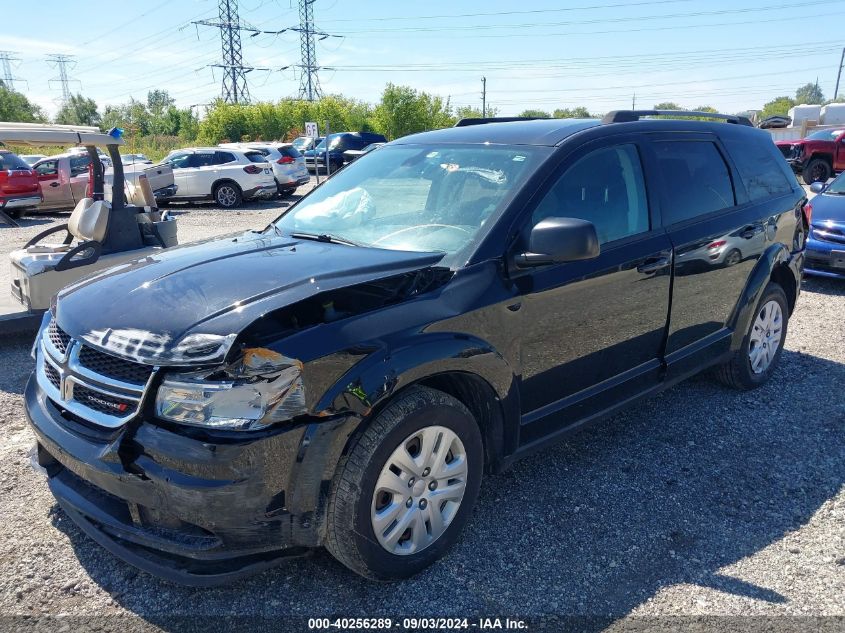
<point x="337" y="144"/>
<point x="436" y="310"/>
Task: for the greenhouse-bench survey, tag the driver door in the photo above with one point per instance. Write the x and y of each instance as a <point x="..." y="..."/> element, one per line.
<point x="593" y="330"/>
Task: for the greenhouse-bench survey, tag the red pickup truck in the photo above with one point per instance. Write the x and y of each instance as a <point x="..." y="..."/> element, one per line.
<point x="818" y="156"/>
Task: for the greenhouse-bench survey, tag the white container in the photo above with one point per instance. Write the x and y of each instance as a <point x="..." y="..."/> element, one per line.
<point x="833" y="114"/>
<point x="805" y="112"/>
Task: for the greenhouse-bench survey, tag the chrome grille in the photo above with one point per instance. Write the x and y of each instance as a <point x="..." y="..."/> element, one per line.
<point x="93" y="385"/>
<point x="58" y="338"/>
<point x="52" y="375"/>
<point x="113" y="366"/>
<point x="101" y="402"/>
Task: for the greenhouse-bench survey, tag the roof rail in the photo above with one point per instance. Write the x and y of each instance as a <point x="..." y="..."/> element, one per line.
<point x="500" y="119"/>
<point x="625" y="116"/>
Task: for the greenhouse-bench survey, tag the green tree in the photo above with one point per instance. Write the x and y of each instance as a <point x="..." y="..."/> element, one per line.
<point x="538" y="114"/>
<point x="16" y="107"/>
<point x="78" y="110"/>
<point x="403" y="110"/>
<point x="579" y="112"/>
<point x="133" y="117"/>
<point x="810" y="94"/>
<point x="779" y="106"/>
<point x="471" y="112"/>
<point x="667" y="105"/>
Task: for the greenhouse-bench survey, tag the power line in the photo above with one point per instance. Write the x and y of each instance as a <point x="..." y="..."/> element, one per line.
<point x="234" y="87"/>
<point x="62" y="61"/>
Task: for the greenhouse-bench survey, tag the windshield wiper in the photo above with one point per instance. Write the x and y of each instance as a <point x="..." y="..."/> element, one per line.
<point x="325" y="237"/>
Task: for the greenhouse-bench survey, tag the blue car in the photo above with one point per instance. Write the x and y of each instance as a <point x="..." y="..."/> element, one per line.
<point x="826" y="244"/>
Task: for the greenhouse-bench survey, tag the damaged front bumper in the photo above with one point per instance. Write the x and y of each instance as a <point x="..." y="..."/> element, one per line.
<point x="191" y="508"/>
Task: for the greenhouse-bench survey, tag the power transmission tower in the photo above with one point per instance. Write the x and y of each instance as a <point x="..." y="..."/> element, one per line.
<point x="234" y="89"/>
<point x="6" y="59"/>
<point x="310" y="85"/>
<point x="60" y="61"/>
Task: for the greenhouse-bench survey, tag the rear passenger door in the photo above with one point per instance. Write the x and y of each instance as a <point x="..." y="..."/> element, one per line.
<point x="717" y="234"/>
<point x="593" y="330"/>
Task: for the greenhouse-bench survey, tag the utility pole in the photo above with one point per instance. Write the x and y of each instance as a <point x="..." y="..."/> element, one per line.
<point x="484" y="97"/>
<point x="60" y="61"/>
<point x="234" y="88"/>
<point x="6" y="59"/>
<point x="309" y="87"/>
<point x="634" y="101"/>
<point x="838" y="75"/>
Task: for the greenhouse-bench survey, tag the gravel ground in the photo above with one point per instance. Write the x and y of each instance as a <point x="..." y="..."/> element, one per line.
<point x="701" y="502"/>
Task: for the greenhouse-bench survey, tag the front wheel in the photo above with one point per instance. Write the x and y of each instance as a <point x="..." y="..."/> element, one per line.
<point x="406" y="488"/>
<point x="228" y="195"/>
<point x="755" y="361"/>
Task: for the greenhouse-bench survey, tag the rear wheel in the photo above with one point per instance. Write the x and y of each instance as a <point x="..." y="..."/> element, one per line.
<point x="228" y="195"/>
<point x="405" y="490"/>
<point x="817" y="170"/>
<point x="733" y="258"/>
<point x="753" y="363"/>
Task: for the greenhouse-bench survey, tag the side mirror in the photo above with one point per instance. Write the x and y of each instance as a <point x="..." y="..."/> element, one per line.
<point x="557" y="240"/>
<point x="817" y="187"/>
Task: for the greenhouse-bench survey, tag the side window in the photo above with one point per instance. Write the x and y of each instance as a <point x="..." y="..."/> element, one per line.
<point x="696" y="178"/>
<point x="605" y="187"/>
<point x="179" y="161"/>
<point x="218" y="158"/>
<point x="758" y="167"/>
<point x="256" y="157"/>
<point x="204" y="159"/>
<point x="79" y="165"/>
<point x="48" y="168"/>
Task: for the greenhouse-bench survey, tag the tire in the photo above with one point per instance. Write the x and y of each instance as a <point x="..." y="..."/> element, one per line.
<point x="733" y="258"/>
<point x="356" y="499"/>
<point x="288" y="192"/>
<point x="228" y="195"/>
<point x="817" y="170"/>
<point x="740" y="371"/>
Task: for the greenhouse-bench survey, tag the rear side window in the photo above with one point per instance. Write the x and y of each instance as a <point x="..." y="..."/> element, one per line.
<point x="221" y="158"/>
<point x="759" y="167"/>
<point x="79" y="165"/>
<point x="605" y="187"/>
<point x="696" y="178"/>
<point x="9" y="161"/>
<point x="289" y="151"/>
<point x="256" y="157"/>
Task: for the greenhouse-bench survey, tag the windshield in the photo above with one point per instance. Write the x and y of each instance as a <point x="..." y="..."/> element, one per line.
<point x="824" y="135"/>
<point x="837" y="186"/>
<point x="415" y="198"/>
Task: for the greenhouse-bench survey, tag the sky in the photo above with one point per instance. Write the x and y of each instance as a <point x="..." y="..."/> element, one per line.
<point x="601" y="54"/>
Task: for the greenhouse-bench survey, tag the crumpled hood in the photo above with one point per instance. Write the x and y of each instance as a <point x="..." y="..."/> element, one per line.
<point x="218" y="286"/>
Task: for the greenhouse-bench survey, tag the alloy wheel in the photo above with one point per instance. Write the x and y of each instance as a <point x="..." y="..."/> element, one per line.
<point x="765" y="337"/>
<point x="226" y="196"/>
<point x="419" y="490"/>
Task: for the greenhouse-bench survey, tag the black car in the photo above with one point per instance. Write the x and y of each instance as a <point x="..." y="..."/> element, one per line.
<point x="440" y="308"/>
<point x="337" y="144"/>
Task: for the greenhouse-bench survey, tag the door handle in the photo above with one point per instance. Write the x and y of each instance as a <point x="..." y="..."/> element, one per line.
<point x="54" y="184"/>
<point x="653" y="265"/>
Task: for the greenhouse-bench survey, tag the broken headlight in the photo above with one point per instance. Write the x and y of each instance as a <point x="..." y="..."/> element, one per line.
<point x="261" y="388"/>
